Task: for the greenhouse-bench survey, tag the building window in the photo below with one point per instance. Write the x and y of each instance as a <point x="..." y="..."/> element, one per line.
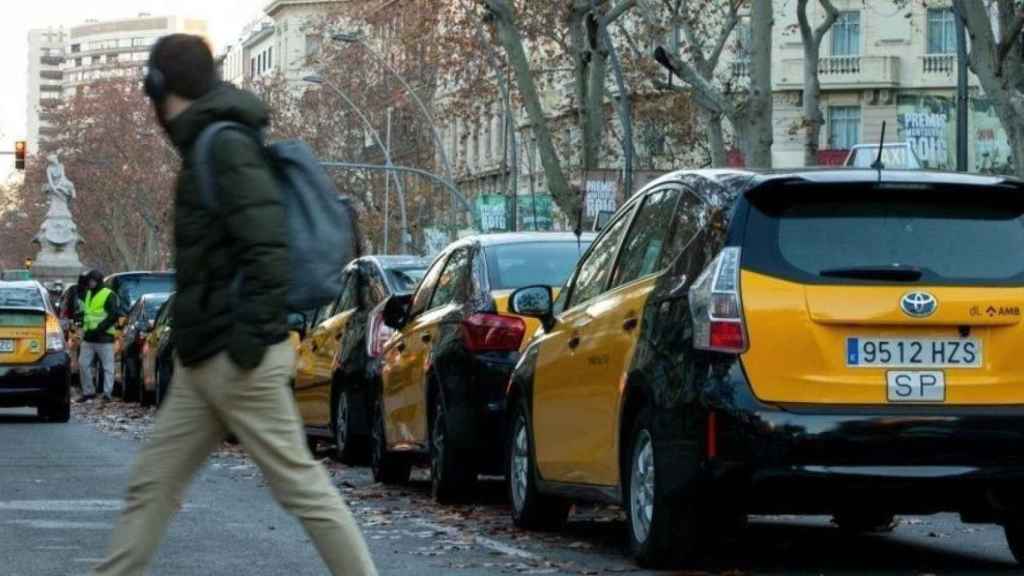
<point x="76" y="47"/>
<point x="844" y="127"/>
<point x="270" y="58"/>
<point x="846" y="34"/>
<point x="941" y="31"/>
<point x="313" y="42"/>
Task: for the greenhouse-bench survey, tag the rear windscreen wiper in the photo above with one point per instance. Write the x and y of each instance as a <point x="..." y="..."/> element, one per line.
<point x="894" y="273"/>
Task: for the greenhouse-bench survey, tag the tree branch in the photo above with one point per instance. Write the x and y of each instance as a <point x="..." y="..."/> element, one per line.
<point x="704" y="92"/>
<point x="733" y="19"/>
<point x="831" y="15"/>
<point x="1007" y="42"/>
<point x="618" y="10"/>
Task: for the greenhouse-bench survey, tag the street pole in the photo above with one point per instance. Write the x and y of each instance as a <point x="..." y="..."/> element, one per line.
<point x="408" y="169"/>
<point x="357" y="39"/>
<point x="387" y="187"/>
<point x="385" y="149"/>
<point x="961" y="92"/>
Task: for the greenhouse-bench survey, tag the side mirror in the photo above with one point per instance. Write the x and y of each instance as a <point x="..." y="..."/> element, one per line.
<point x="396" y="311"/>
<point x="534" y="302"/>
<point x="297" y="323"/>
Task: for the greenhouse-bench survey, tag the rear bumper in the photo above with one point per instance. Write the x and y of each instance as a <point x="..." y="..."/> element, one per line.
<point x="817" y="459"/>
<point x="25" y="385"/>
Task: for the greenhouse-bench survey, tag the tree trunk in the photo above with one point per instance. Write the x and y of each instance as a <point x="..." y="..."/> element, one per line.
<point x="716" y="139"/>
<point x="758" y="122"/>
<point x="813" y="118"/>
<point x="593" y="112"/>
<point x="508" y="33"/>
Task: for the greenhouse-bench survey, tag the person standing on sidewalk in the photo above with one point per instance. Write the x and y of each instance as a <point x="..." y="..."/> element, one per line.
<point x="233" y="360"/>
<point x="99" y="316"/>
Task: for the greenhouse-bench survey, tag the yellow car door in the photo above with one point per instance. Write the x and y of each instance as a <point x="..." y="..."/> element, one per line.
<point x="402" y="366"/>
<point x="559" y="425"/>
<point x="312" y="371"/>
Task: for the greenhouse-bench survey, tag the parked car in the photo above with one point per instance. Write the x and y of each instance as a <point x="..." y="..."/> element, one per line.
<point x="129" y="287"/>
<point x="808" y="342"/>
<point x="338" y="362"/>
<point x="141" y="321"/>
<point x="158" y="356"/>
<point x="35" y="369"/>
<point x="445" y="372"/>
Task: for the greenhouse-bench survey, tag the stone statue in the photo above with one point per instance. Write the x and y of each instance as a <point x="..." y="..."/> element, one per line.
<point x="58" y="237"/>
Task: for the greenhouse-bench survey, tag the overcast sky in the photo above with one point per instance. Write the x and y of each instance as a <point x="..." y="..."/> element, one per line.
<point x="225" y="18"/>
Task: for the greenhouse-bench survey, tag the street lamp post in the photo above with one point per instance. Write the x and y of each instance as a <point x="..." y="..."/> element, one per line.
<point x="358" y="39"/>
<point x="387" y="158"/>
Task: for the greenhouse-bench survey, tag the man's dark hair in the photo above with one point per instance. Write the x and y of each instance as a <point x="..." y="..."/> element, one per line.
<point x="186" y="63"/>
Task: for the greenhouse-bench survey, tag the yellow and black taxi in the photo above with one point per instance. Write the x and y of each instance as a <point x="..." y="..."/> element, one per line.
<point x="339" y="353"/>
<point x="35" y="369"/>
<point x="158" y="356"/>
<point x="129" y="288"/>
<point x="819" y="342"/>
<point x="141" y="321"/>
<point x="444" y="373"/>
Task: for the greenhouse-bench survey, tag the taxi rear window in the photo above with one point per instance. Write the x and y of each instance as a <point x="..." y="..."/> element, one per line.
<point x="21" y="298"/>
<point x="513" y="266"/>
<point x="843" y="235"/>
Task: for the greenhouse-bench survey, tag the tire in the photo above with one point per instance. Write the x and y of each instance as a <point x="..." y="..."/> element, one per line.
<point x="163" y="382"/>
<point x="531" y="510"/>
<point x="864" y="521"/>
<point x="387" y="468"/>
<point x="56" y="410"/>
<point x="452" y="473"/>
<point x="665" y="530"/>
<point x="348" y="448"/>
<point x="1014" y="530"/>
<point x="131" y="384"/>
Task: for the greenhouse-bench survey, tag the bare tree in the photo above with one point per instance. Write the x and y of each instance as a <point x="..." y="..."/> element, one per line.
<point x="999" y="67"/>
<point x="811" y="38"/>
<point x="707" y="26"/>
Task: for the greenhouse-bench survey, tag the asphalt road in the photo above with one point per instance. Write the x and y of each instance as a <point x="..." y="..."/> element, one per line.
<point x="60" y="489"/>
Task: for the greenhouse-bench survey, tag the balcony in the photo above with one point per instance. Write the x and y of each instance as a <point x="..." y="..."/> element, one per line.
<point x="939" y="65"/>
<point x="839" y="72"/>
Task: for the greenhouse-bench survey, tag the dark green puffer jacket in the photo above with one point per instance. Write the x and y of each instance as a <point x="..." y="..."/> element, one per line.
<point x="246" y="233"/>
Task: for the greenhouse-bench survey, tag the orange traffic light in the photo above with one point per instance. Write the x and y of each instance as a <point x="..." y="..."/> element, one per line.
<point x="20" y="148"/>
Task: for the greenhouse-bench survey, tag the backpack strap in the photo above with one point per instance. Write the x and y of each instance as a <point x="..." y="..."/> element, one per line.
<point x="203" y="161"/>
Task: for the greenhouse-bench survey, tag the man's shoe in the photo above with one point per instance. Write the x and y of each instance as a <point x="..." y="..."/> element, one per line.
<point x="86" y="398"/>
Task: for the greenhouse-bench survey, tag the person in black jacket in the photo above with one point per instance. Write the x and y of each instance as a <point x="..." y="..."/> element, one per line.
<point x="233" y="358"/>
<point x="99" y="324"/>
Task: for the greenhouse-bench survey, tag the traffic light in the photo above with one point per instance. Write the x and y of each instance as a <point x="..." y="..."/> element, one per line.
<point x="28" y="263"/>
<point x="20" y="147"/>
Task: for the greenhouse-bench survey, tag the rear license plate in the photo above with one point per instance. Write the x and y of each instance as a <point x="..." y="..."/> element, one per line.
<point x="913" y="353"/>
<point x="6" y="346"/>
<point x="916" y="386"/>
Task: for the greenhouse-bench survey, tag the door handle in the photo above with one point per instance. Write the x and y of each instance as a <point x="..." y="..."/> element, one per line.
<point x="425" y="337"/>
<point x="630" y="324"/>
<point x="574" y="342"/>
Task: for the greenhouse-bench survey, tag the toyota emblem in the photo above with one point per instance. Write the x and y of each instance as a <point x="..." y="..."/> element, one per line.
<point x="919" y="304"/>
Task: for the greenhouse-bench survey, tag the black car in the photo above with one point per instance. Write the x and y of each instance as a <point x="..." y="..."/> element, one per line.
<point x="141" y="320"/>
<point x="35" y="368"/>
<point x="130" y="286"/>
<point x="340" y="347"/>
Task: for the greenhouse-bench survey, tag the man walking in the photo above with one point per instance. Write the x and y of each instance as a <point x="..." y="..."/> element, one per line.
<point x="99" y="315"/>
<point x="234" y="360"/>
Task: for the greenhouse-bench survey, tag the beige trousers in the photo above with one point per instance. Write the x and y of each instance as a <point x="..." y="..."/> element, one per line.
<point x="205" y="402"/>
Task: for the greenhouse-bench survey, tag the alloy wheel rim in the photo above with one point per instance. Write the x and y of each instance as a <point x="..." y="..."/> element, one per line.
<point x="341" y="421"/>
<point x="641" y="487"/>
<point x="520" y="465"/>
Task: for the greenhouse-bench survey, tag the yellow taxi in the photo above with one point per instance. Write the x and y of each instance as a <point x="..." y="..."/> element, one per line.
<point x="840" y="342"/>
<point x="442" y="383"/>
<point x="35" y="368"/>
<point x="339" y="348"/>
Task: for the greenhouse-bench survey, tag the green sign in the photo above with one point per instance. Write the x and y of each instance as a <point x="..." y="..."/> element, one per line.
<point x="536" y="212"/>
<point x="493" y="212"/>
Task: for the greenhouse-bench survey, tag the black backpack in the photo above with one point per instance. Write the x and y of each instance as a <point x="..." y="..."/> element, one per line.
<point x="322" y="230"/>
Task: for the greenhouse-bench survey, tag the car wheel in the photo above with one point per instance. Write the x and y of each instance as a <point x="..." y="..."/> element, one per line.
<point x="347" y="446"/>
<point x="452" y="474"/>
<point x="1014" y="531"/>
<point x="531" y="510"/>
<point x="664" y="529"/>
<point x="59" y="411"/>
<point x="163" y="382"/>
<point x="387" y="468"/>
<point x="864" y="521"/>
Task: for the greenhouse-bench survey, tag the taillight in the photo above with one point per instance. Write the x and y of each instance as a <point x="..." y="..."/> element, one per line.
<point x="54" y="334"/>
<point x="716" y="306"/>
<point x="493" y="333"/>
<point x="379" y="333"/>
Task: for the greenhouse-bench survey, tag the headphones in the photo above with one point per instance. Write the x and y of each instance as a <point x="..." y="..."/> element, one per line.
<point x="155" y="84"/>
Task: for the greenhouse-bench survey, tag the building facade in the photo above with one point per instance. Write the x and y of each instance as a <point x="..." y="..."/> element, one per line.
<point x="45" y="81"/>
<point x="883" y="61"/>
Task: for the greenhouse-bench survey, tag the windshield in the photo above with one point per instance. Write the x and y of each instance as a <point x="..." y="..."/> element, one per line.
<point x="21" y="298"/>
<point x="513" y="266"/>
<point x="405" y="280"/>
<point x="131" y="289"/>
<point x="152" y="306"/>
<point x="930" y="236"/>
